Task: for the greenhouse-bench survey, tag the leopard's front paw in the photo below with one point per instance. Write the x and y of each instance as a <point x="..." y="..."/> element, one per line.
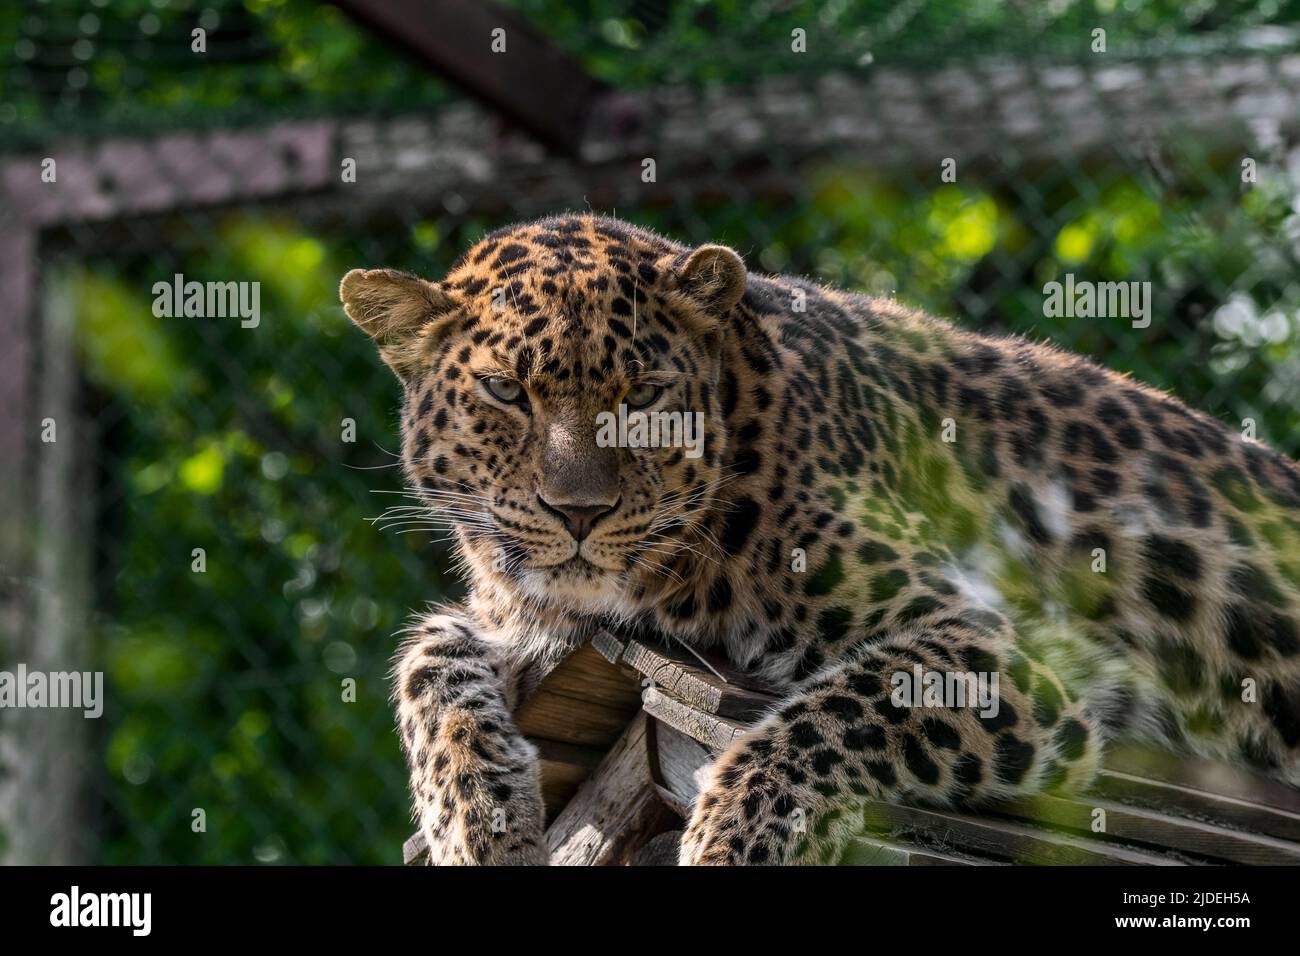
<point x="479" y="799"/>
<point x="705" y="846"/>
<point x="474" y="779"/>
<point x="500" y="824"/>
<point x="746" y="823"/>
<point x="715" y="837"/>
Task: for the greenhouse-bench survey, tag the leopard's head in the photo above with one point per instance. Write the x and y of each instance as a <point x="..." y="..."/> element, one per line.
<point x="527" y="372"/>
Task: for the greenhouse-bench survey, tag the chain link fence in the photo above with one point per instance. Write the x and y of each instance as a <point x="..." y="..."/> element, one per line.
<point x="196" y="525"/>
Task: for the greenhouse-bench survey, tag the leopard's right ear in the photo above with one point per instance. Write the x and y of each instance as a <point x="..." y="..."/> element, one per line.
<point x="401" y="312"/>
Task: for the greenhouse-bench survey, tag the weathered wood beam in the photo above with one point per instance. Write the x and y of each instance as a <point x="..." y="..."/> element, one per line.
<point x="564" y="769"/>
<point x="714" y="732"/>
<point x="869" y="851"/>
<point x="118" y="178"/>
<point x="1000" y="839"/>
<point x="760" y="137"/>
<point x="677" y="762"/>
<point x="459" y="160"/>
<point x="585" y="701"/>
<point x="662" y="850"/>
<point x="1153" y="828"/>
<point x="1224" y="809"/>
<point x="726" y="694"/>
<point x="19" y="425"/>
<point x="531" y="81"/>
<point x="19" y="428"/>
<point x="1205" y="776"/>
<point x="615" y="812"/>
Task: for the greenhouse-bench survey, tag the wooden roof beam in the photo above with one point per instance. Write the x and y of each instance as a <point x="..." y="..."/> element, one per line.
<point x="533" y="83"/>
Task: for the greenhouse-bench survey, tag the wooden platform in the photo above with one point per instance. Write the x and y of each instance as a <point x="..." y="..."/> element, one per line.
<point x="623" y="728"/>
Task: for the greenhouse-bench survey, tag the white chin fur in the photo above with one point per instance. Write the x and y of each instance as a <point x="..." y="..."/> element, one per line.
<point x="602" y="593"/>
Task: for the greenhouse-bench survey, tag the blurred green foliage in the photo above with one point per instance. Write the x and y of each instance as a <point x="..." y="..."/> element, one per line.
<point x="226" y="686"/>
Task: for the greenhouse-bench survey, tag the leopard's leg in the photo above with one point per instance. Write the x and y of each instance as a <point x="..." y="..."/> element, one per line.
<point x="474" y="779"/>
<point x="792" y="789"/>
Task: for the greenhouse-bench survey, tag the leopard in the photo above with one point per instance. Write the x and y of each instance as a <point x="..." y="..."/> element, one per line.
<point x="877" y="495"/>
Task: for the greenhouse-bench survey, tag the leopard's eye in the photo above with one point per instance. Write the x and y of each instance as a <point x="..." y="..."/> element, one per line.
<point x="505" y="390"/>
<point x="639" y="396"/>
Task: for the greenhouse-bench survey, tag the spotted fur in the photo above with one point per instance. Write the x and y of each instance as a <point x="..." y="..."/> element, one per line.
<point x="878" y="489"/>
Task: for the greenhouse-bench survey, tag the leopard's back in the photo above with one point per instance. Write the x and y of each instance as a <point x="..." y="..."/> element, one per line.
<point x="1149" y="553"/>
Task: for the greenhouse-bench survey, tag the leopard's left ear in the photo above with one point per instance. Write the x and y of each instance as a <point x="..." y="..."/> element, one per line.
<point x="714" y="277"/>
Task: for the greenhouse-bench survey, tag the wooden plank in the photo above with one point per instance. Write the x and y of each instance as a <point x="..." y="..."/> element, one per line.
<point x="584" y="700"/>
<point x="662" y="850"/>
<point x="676" y="761"/>
<point x="131" y="177"/>
<point x="564" y="767"/>
<point x="19" y="434"/>
<point x="1003" y="839"/>
<point x="1207" y="776"/>
<point x="673" y="802"/>
<point x="1195" y="804"/>
<point x="1157" y="830"/>
<point x="586" y="676"/>
<point x="577" y="710"/>
<point x="415" y="851"/>
<point x="531" y="677"/>
<point x="993" y="108"/>
<point x="615" y="812"/>
<point x="532" y="81"/>
<point x="555" y="717"/>
<point x="419" y="159"/>
<point x="716" y="733"/>
<point x="608" y="646"/>
<point x="44" y="755"/>
<point x="866" y="851"/>
<point x="687" y="680"/>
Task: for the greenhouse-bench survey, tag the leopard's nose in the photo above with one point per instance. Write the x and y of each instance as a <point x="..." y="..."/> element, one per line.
<point x="578" y="519"/>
